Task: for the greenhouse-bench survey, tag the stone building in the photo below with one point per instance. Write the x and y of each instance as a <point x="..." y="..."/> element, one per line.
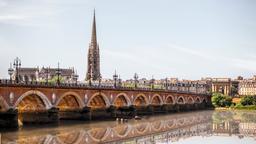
<point x="219" y="85"/>
<point x="42" y="74"/>
<point x="93" y="66"/>
<point x="247" y="86"/>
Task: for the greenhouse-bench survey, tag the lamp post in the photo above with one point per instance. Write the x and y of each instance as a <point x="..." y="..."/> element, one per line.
<point x="166" y="83"/>
<point x="135" y="79"/>
<point x="75" y="77"/>
<point x="115" y="77"/>
<point x="152" y="82"/>
<point x="47" y="74"/>
<point x="58" y="72"/>
<point x="119" y="81"/>
<point x="10" y="72"/>
<point x="17" y="65"/>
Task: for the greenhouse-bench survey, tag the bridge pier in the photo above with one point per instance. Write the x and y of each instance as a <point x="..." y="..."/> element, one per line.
<point x="9" y="119"/>
<point x="47" y="116"/>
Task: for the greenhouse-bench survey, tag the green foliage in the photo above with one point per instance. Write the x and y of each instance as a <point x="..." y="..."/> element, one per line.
<point x="247" y="107"/>
<point x="55" y="79"/>
<point x="248" y="100"/>
<point x="220" y="100"/>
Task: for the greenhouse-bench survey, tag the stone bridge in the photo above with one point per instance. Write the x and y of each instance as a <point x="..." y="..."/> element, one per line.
<point x="47" y="103"/>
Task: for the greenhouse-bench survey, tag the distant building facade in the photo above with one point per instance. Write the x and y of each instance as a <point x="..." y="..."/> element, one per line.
<point x="43" y="74"/>
<point x="222" y="85"/>
<point x="247" y="86"/>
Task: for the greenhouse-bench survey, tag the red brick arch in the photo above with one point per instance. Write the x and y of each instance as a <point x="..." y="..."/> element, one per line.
<point x="190" y="100"/>
<point x="141" y="100"/>
<point x="99" y="97"/>
<point x="121" y="99"/>
<point x="156" y="100"/>
<point x="70" y="99"/>
<point x="42" y="96"/>
<point x="170" y="99"/>
<point x="181" y="100"/>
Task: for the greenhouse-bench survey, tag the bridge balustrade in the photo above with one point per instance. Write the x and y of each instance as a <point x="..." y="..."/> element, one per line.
<point x="6" y="82"/>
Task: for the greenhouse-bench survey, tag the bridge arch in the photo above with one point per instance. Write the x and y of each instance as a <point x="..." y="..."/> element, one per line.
<point x="197" y="100"/>
<point x="156" y="100"/>
<point x="69" y="100"/>
<point x="121" y="100"/>
<point x="3" y="104"/>
<point x="34" y="94"/>
<point x="181" y="100"/>
<point x="98" y="100"/>
<point x="170" y="99"/>
<point x="140" y="100"/>
<point x="190" y="100"/>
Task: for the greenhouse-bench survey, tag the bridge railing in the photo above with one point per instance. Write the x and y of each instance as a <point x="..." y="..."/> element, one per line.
<point x="6" y="82"/>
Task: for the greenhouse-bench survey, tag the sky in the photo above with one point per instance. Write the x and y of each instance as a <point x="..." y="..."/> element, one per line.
<point x="188" y="39"/>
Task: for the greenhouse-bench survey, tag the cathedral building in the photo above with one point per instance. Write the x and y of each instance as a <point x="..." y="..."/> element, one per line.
<point x="93" y="67"/>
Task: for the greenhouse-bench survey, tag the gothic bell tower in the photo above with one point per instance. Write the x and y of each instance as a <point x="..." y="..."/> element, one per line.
<point x="93" y="66"/>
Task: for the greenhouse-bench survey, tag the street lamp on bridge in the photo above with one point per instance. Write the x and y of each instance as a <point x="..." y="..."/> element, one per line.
<point x="166" y="83"/>
<point x="10" y="71"/>
<point x="136" y="77"/>
<point x="58" y="72"/>
<point x="115" y="77"/>
<point x="17" y="65"/>
<point x="152" y="82"/>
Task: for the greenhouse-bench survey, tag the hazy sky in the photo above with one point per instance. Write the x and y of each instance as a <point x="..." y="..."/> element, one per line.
<point x="166" y="38"/>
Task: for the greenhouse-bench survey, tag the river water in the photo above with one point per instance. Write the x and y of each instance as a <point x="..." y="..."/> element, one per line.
<point x="201" y="127"/>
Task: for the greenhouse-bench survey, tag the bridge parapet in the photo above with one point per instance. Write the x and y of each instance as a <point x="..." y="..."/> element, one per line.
<point x="105" y="86"/>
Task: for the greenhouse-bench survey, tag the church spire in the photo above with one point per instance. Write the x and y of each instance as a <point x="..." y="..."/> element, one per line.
<point x="94" y="34"/>
<point x="93" y="67"/>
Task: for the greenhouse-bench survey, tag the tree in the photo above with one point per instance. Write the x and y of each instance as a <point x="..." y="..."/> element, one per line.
<point x="248" y="100"/>
<point x="220" y="100"/>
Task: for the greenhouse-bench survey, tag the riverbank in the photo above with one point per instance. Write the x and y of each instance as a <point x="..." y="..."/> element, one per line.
<point x="238" y="107"/>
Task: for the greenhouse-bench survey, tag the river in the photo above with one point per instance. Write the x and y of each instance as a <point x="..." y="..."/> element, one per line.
<point x="201" y="127"/>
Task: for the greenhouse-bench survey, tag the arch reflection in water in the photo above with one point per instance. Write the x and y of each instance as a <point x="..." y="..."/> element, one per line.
<point x="163" y="129"/>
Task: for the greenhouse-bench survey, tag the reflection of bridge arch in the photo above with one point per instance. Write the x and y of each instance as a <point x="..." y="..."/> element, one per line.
<point x="190" y="100"/>
<point x="181" y="100"/>
<point x="121" y="100"/>
<point x="170" y="99"/>
<point x="3" y="104"/>
<point x="69" y="100"/>
<point x="157" y="125"/>
<point x="156" y="100"/>
<point x="70" y="138"/>
<point x="170" y="124"/>
<point x="122" y="131"/>
<point x="142" y="128"/>
<point x="98" y="100"/>
<point x="140" y="100"/>
<point x="99" y="134"/>
<point x="181" y="122"/>
<point x="33" y="99"/>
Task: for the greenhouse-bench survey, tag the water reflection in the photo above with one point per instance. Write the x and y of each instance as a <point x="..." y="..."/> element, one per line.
<point x="157" y="129"/>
